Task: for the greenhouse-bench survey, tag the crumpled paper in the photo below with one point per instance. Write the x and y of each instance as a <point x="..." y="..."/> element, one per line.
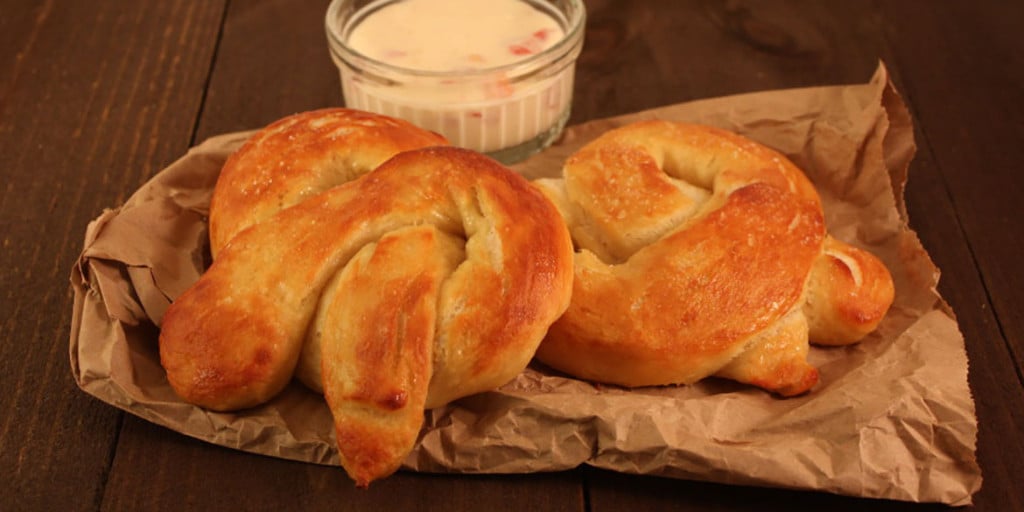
<point x="891" y="417"/>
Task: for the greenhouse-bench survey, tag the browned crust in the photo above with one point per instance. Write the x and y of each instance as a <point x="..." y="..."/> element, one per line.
<point x="232" y="340"/>
<point x="302" y="155"/>
<point x="674" y="284"/>
<point x="849" y="292"/>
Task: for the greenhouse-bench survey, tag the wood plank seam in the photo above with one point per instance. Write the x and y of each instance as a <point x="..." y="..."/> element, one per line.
<point x="209" y="73"/>
<point x="924" y="145"/>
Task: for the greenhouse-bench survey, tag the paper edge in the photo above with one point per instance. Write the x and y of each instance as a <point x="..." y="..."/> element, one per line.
<point x="79" y="284"/>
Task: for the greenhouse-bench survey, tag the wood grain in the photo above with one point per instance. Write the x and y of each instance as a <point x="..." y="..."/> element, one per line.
<point x="970" y="132"/>
<point x="185" y="474"/>
<point x="789" y="44"/>
<point x="100" y="95"/>
<point x="272" y="61"/>
<point x="611" y="492"/>
<point x="95" y="97"/>
<point x="972" y="123"/>
<point x="637" y="57"/>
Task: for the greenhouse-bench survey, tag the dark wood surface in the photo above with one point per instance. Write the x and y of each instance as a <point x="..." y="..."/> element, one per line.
<point x="95" y="97"/>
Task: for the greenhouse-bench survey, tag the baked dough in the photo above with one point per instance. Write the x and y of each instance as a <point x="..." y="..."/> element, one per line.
<point x="300" y="156"/>
<point x="433" y="277"/>
<point x="701" y="253"/>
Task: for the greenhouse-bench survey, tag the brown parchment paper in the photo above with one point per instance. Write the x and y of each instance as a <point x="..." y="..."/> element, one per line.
<point x="891" y="418"/>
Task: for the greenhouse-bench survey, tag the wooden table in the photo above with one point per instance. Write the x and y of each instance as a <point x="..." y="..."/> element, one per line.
<point x="95" y="97"/>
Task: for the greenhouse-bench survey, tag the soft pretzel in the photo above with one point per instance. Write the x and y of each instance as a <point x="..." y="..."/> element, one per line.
<point x="300" y="156"/>
<point x="702" y="253"/>
<point x="433" y="277"/>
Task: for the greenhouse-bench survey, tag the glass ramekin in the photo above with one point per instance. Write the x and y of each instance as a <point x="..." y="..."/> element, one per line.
<point x="508" y="112"/>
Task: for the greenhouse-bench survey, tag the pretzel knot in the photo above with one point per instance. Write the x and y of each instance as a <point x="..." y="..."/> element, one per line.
<point x="432" y="277"/>
<point x="702" y="253"/>
<point x="300" y="156"/>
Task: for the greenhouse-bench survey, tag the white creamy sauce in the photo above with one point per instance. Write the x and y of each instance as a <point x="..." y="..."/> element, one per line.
<point x="453" y="35"/>
<point x="484" y="110"/>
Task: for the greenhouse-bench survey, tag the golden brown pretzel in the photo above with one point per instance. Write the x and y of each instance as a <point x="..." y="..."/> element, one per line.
<point x="702" y="253"/>
<point x="300" y="156"/>
<point x="433" y="277"/>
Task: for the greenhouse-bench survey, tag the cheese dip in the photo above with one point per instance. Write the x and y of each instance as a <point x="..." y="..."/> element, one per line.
<point x="495" y="76"/>
<point x="454" y="35"/>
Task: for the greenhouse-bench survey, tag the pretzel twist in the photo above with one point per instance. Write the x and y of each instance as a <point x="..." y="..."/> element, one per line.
<point x="299" y="156"/>
<point x="702" y="253"/>
<point x="433" y="277"/>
